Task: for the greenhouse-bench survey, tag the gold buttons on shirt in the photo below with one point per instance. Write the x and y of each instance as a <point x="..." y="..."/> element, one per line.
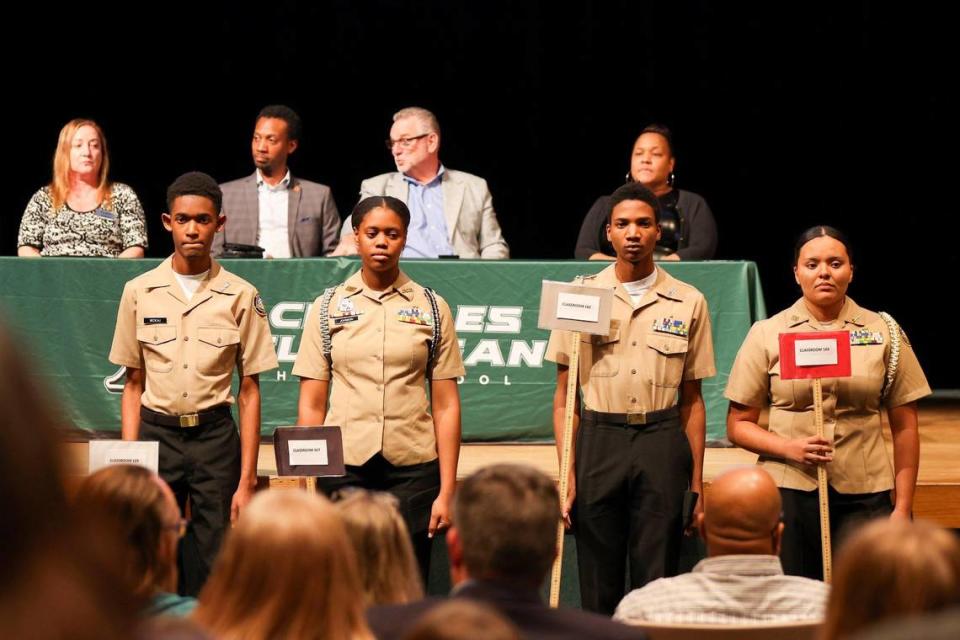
<point x="186" y="338"/>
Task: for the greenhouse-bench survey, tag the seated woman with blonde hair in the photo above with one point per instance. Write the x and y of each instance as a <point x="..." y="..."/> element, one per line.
<point x="388" y="568"/>
<point x="138" y="507"/>
<point x="891" y="569"/>
<point x="81" y="212"/>
<point x="286" y="570"/>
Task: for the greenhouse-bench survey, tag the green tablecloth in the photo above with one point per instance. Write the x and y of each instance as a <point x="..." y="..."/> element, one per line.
<point x="65" y="308"/>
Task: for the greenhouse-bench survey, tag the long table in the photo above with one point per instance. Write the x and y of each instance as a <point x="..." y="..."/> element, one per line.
<point x="64" y="309"/>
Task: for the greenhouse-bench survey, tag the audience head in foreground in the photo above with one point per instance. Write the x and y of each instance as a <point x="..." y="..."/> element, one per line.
<point x="741" y="581"/>
<point x="286" y="570"/>
<point x="59" y="577"/>
<point x="140" y="509"/>
<point x="891" y="569"/>
<point x="388" y="568"/>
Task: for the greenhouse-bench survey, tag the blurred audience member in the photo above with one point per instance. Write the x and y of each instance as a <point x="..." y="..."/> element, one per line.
<point x="286" y="570"/>
<point x="890" y="569"/>
<point x="388" y="568"/>
<point x="140" y="508"/>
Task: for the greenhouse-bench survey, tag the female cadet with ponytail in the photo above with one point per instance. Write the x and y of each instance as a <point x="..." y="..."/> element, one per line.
<point x="884" y="374"/>
<point x="370" y="345"/>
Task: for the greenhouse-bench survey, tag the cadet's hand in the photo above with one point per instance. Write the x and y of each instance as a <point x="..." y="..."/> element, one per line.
<point x="809" y="451"/>
<point x="695" y="520"/>
<point x="241" y="497"/>
<point x="900" y="515"/>
<point x="440" y="517"/>
<point x="566" y="506"/>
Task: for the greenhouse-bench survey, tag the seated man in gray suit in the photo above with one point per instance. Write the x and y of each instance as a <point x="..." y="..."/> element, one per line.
<point x="288" y="217"/>
<point x="451" y="212"/>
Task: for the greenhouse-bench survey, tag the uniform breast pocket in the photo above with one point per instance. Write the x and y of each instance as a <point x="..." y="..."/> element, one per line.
<point x="158" y="345"/>
<point x="667" y="357"/>
<point x="216" y="349"/>
<point x="600" y="353"/>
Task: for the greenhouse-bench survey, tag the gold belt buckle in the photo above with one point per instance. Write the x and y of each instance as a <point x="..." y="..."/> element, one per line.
<point x="190" y="420"/>
<point x="637" y="418"/>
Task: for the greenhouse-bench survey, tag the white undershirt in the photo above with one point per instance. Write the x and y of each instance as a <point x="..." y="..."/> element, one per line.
<point x="638" y="288"/>
<point x="274" y="203"/>
<point x="190" y="283"/>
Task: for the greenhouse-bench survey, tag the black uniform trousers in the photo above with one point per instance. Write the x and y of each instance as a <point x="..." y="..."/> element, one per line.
<point x="630" y="486"/>
<point x="800" y="551"/>
<point x="415" y="486"/>
<point x="202" y="465"/>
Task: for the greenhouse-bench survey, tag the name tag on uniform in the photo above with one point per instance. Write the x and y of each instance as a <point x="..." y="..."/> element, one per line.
<point x="344" y="319"/>
<point x="155" y="320"/>
<point x="106" y="215"/>
<point x="865" y="336"/>
<point x="671" y="326"/>
<point x="104" y="453"/>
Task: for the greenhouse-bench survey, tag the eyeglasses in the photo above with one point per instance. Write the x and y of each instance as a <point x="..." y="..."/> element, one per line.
<point x="180" y="526"/>
<point x="405" y="143"/>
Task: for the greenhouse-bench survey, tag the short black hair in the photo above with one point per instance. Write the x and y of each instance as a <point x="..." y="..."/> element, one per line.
<point x="817" y="232"/>
<point x="195" y="183"/>
<point x="635" y="191"/>
<point x="663" y="130"/>
<point x="387" y="202"/>
<point x="288" y="115"/>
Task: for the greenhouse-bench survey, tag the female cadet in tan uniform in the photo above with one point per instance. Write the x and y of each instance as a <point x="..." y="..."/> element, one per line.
<point x="885" y="372"/>
<point x="385" y="337"/>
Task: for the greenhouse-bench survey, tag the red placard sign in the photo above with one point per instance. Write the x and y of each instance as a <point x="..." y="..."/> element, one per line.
<point x="815" y="354"/>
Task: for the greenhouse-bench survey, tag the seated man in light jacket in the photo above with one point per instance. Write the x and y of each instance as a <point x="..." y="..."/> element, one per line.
<point x="451" y="212"/>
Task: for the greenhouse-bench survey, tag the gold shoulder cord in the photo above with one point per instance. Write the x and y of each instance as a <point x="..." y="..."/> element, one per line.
<point x="894" y="361"/>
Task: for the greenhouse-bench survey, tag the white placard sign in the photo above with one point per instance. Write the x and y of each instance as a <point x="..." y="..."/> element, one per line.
<point x="104" y="453"/>
<point x="815" y="353"/>
<point x="570" y="306"/>
<point x="308" y="452"/>
<point x="576" y="306"/>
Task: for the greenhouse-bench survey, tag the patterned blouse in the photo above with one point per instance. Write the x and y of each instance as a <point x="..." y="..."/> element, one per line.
<point x="98" y="233"/>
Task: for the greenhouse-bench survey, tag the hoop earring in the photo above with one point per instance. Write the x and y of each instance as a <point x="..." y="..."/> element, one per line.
<point x="671" y="178"/>
<point x="628" y="177"/>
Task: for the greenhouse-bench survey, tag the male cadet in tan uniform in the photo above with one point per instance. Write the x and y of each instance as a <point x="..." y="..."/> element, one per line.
<point x="637" y="448"/>
<point x="182" y="329"/>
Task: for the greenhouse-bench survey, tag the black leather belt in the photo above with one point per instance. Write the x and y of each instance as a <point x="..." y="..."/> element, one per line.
<point x="631" y="419"/>
<point x="186" y="421"/>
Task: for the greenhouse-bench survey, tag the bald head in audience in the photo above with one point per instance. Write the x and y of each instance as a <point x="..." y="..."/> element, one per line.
<point x="742" y="514"/>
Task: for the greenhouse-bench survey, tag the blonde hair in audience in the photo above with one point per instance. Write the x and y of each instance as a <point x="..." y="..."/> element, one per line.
<point x="60" y="184"/>
<point x="129" y="499"/>
<point x="286" y="570"/>
<point x="388" y="570"/>
<point x="891" y="569"/>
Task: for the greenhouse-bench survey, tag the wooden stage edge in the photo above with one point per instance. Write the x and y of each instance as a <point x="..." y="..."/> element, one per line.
<point x="938" y="488"/>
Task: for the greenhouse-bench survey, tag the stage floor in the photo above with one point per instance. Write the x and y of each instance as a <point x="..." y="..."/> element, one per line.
<point x="938" y="487"/>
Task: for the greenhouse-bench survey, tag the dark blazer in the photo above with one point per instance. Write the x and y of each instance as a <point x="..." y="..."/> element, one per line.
<point x="523" y="607"/>
<point x="312" y="217"/>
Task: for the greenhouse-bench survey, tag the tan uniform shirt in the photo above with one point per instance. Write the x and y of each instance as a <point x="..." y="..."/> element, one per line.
<point x="188" y="350"/>
<point x="380" y="347"/>
<point x="851" y="406"/>
<point x="650" y="350"/>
